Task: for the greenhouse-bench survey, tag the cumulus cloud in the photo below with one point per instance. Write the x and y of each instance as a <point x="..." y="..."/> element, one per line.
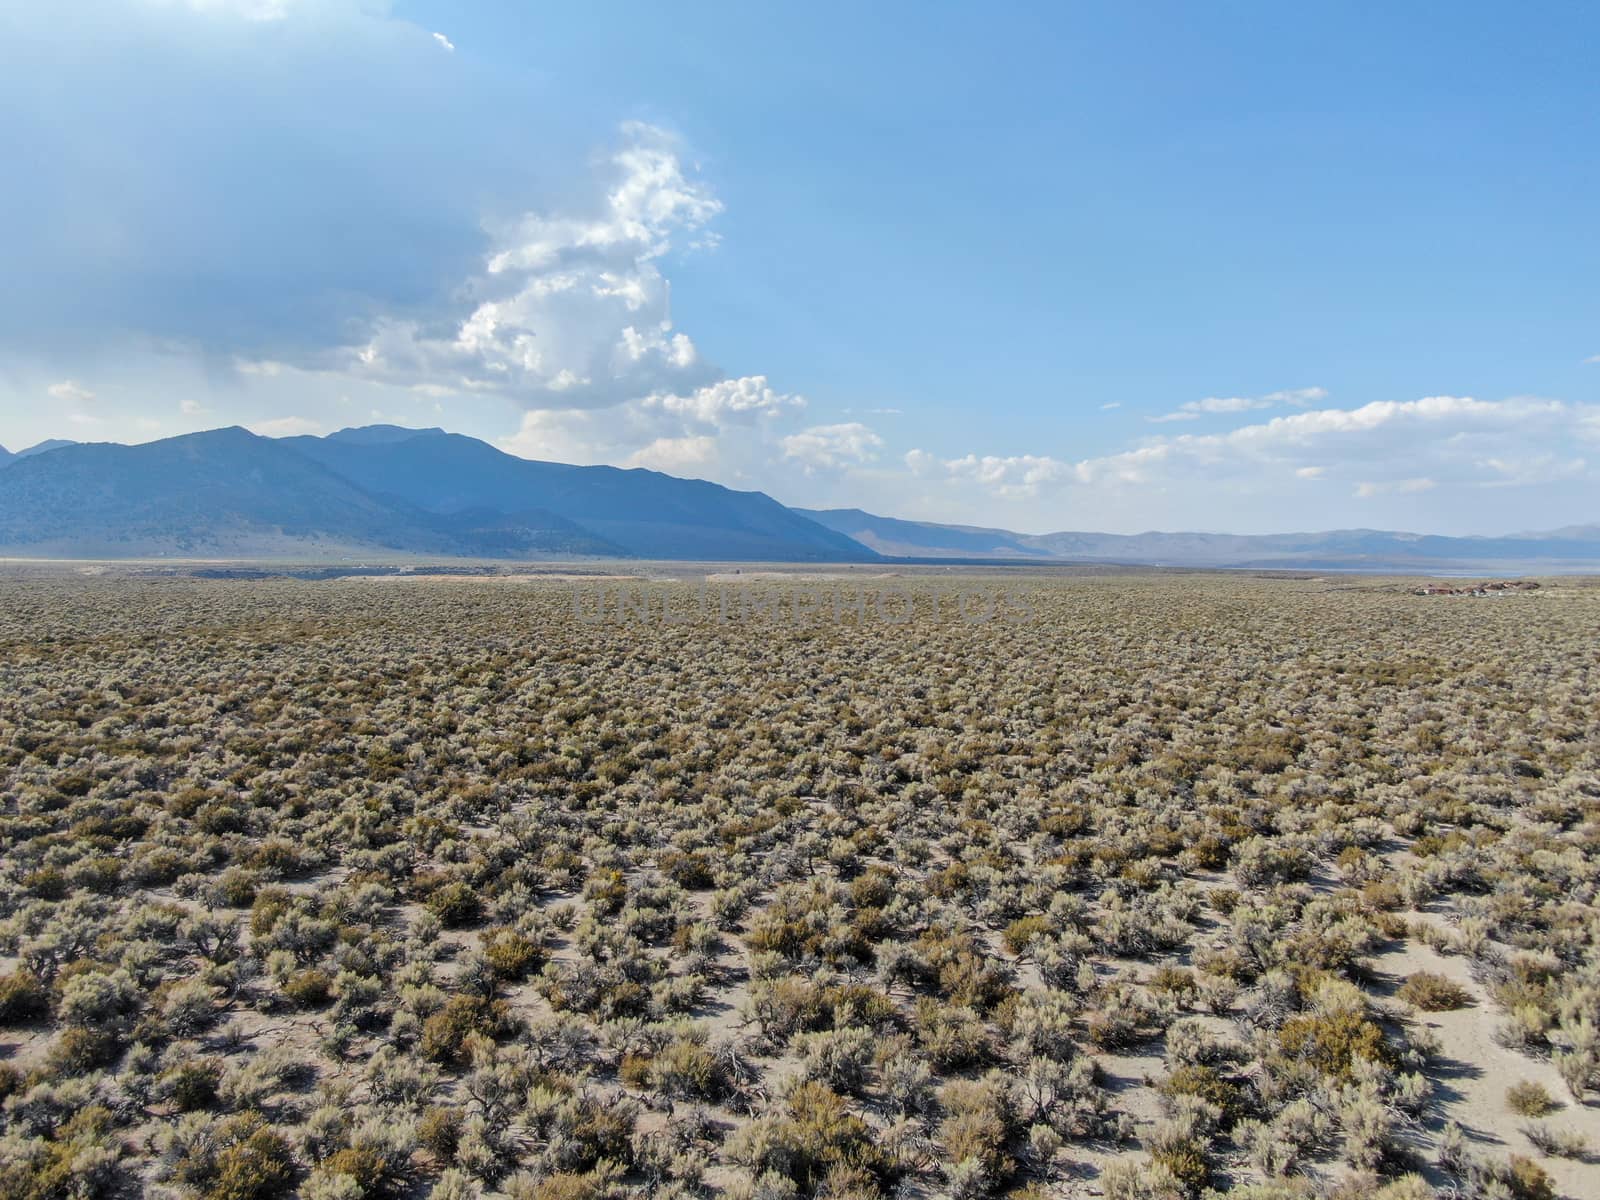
<point x="729" y="400"/>
<point x="677" y="455"/>
<point x="1193" y="410"/>
<point x="829" y="447"/>
<point x="732" y="420"/>
<point x="1297" y="396"/>
<point x="69" y="391"/>
<point x="1378" y="448"/>
<point x="444" y="42"/>
<point x="570" y="310"/>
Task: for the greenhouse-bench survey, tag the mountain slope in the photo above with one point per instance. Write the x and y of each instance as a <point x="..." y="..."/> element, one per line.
<point x="229" y="492"/>
<point x="5" y="456"/>
<point x="647" y="513"/>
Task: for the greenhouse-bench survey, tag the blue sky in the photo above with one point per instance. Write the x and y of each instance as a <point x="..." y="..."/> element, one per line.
<point x="1233" y="266"/>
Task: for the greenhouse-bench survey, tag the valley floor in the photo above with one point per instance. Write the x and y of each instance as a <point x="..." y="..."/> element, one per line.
<point x="793" y="882"/>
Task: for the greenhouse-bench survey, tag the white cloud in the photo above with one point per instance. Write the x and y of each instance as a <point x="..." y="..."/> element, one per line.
<point x="84" y="420"/>
<point x="1014" y="476"/>
<point x="1593" y="360"/>
<point x="1378" y="447"/>
<point x="1531" y="469"/>
<point x="1112" y="405"/>
<point x="727" y="400"/>
<point x="677" y="456"/>
<point x="285" y="427"/>
<point x="832" y="446"/>
<point x="192" y="408"/>
<point x="445" y="42"/>
<point x="739" y="417"/>
<point x="1300" y="397"/>
<point x="571" y="310"/>
<point x="1193" y="410"/>
<point x="70" y="392"/>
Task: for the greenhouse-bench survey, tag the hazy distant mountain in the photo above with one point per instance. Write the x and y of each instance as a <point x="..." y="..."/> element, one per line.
<point x="922" y="539"/>
<point x="1574" y="546"/>
<point x="7" y="457"/>
<point x="230" y="493"/>
<point x="49" y="444"/>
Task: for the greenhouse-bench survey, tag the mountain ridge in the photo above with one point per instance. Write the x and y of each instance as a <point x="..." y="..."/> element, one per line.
<point x="231" y="493"/>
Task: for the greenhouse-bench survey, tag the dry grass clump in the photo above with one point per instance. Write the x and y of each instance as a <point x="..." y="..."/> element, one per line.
<point x="345" y="892"/>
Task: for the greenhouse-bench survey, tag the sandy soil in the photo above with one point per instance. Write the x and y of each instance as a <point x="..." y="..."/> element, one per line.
<point x="1474" y="1072"/>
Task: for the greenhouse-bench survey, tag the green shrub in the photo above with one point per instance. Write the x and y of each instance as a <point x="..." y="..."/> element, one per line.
<point x="977" y="1127"/>
<point x="692" y="871"/>
<point x="1187" y="1162"/>
<point x="455" y="904"/>
<point x="1433" y="993"/>
<point x="439" y="1132"/>
<point x="816" y="1137"/>
<point x="310" y="988"/>
<point x="1530" y="1099"/>
<point x="511" y="955"/>
<point x="193" y="1085"/>
<point x="1332" y="1042"/>
<point x="23" y="998"/>
<point x="686" y="1069"/>
<point x="80" y="1049"/>
<point x="1209" y="1085"/>
<point x="445" y="1034"/>
<point x="361" y="1165"/>
<point x="1023" y="932"/>
<point x="1528" y="1180"/>
<point x="257" y="1167"/>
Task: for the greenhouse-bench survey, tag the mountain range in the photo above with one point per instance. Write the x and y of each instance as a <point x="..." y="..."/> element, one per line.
<point x="379" y="490"/>
<point x="1574" y="547"/>
<point x="383" y="490"/>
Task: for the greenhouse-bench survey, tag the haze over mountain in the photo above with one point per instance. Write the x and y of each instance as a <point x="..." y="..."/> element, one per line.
<point x="1574" y="547"/>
